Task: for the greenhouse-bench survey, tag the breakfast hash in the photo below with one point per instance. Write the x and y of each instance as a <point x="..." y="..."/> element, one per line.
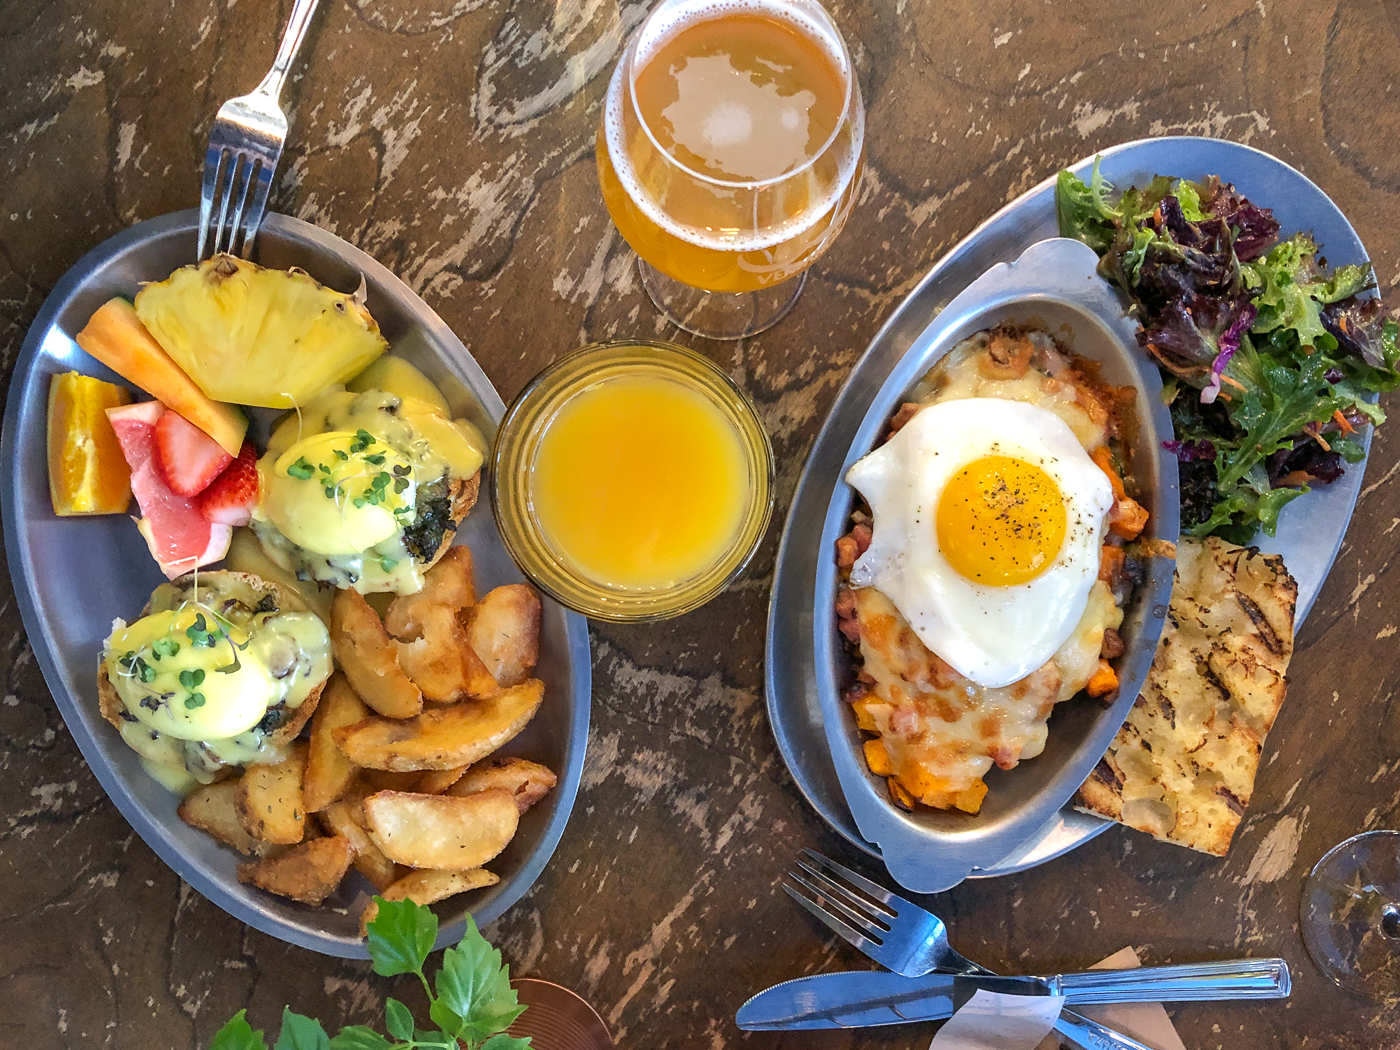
<point x="963" y="647"/>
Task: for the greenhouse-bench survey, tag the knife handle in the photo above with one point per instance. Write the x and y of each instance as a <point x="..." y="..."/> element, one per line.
<point x="1088" y="1034"/>
<point x="1190" y="982"/>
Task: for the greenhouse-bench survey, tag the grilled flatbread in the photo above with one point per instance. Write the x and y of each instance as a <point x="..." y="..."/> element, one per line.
<point x="1182" y="767"/>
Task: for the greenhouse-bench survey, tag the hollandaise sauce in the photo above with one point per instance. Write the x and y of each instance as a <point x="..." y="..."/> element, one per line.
<point x="640" y="482"/>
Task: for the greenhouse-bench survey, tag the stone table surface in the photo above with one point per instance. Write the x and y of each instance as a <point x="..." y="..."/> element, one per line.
<point x="453" y="140"/>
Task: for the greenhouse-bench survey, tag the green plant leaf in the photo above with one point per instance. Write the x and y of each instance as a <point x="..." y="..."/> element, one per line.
<point x="238" y="1034"/>
<point x="506" y="1042"/>
<point x="301" y="1033"/>
<point x="359" y="1037"/>
<point x="400" y="937"/>
<point x="474" y="996"/>
<point x="398" y="1019"/>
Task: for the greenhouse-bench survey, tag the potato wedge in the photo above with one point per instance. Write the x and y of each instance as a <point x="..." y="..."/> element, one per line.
<point x="310" y="873"/>
<point x="505" y="632"/>
<point x="328" y="771"/>
<point x="527" y="782"/>
<point x="441" y="662"/>
<point x="213" y="810"/>
<point x="388" y="780"/>
<point x="439" y="831"/>
<point x="368" y="657"/>
<point x="436" y="781"/>
<point x="449" y="583"/>
<point x="269" y="801"/>
<point x="443" y="737"/>
<point x="428" y="886"/>
<point x="346" y="818"/>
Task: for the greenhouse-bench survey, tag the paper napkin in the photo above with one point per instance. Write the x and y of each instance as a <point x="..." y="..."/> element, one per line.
<point x="1146" y="1022"/>
<point x="993" y="1021"/>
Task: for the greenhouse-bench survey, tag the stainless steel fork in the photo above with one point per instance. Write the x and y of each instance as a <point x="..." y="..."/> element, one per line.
<point x="907" y="939"/>
<point x="245" y="144"/>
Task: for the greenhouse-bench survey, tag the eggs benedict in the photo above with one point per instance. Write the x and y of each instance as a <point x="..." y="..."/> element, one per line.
<point x="221" y="669"/>
<point x="365" y="488"/>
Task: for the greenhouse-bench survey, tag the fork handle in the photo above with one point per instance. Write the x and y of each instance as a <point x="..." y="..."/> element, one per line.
<point x="1191" y="982"/>
<point x="292" y="36"/>
<point x="1088" y="1034"/>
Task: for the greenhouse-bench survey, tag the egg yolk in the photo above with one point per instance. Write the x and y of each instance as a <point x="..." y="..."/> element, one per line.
<point x="1001" y="521"/>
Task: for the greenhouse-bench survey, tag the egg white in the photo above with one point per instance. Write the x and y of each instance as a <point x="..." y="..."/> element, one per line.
<point x="993" y="635"/>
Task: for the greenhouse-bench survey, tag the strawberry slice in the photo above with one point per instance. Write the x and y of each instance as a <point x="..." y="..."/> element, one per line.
<point x="179" y="537"/>
<point x="187" y="457"/>
<point x="231" y="497"/>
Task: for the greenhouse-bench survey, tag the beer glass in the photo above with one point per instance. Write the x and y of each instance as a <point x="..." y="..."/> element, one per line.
<point x="729" y="155"/>
<point x="1351" y="915"/>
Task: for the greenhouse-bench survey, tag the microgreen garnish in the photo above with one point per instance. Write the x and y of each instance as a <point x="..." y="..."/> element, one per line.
<point x="192" y="678"/>
<point x="193" y="701"/>
<point x="363" y="440"/>
<point x="387" y="564"/>
<point x="377" y="459"/>
<point x="473" y="1006"/>
<point x="165" y="647"/>
<point x="199" y="633"/>
<point x="341" y="455"/>
<point x="144" y="671"/>
<point x="323" y="469"/>
<point x="301" y="469"/>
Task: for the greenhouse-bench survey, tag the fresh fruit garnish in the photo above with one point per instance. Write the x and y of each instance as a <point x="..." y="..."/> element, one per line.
<point x="180" y="538"/>
<point x="231" y="497"/>
<point x="188" y="458"/>
<point x="115" y="336"/>
<point x="87" y="472"/>
<point x="273" y="338"/>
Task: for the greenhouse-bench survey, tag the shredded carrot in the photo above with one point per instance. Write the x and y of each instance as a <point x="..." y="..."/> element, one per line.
<point x="1342" y="422"/>
<point x="1104" y="460"/>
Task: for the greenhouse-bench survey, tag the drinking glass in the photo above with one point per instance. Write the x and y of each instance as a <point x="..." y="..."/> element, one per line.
<point x="1351" y="915"/>
<point x="729" y="155"/>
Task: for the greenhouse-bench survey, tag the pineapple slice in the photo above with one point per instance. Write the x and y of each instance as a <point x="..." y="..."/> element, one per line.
<point x="251" y="336"/>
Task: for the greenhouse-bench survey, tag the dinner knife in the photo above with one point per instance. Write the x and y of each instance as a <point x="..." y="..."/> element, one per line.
<point x="868" y="998"/>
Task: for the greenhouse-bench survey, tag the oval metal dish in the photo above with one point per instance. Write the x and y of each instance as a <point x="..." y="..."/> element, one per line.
<point x="1310" y="531"/>
<point x="73" y="575"/>
<point x="1052" y="285"/>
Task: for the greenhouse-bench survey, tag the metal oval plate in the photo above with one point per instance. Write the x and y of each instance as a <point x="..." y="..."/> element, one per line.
<point x="1053" y="285"/>
<point x="1310" y="531"/>
<point x="73" y="575"/>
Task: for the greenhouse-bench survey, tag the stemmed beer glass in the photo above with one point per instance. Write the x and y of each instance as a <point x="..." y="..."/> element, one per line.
<point x="729" y="155"/>
<point x="1351" y="915"/>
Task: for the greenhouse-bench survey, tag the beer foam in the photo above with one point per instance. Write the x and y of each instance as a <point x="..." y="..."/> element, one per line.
<point x="664" y="26"/>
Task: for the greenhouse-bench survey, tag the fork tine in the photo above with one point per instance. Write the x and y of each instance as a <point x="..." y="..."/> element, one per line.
<point x="235" y="161"/>
<point x="261" y="189"/>
<point x="869" y="923"/>
<point x="877" y="912"/>
<point x="860" y="882"/>
<point x="240" y="197"/>
<point x="213" y="164"/>
<point x="834" y="924"/>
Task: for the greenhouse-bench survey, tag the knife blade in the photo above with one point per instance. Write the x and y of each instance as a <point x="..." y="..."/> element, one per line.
<point x="869" y="998"/>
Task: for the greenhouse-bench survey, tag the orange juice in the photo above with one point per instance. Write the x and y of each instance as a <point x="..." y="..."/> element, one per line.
<point x="640" y="482"/>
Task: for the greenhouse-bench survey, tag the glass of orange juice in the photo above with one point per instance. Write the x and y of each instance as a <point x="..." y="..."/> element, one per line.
<point x="729" y="155"/>
<point x="632" y="480"/>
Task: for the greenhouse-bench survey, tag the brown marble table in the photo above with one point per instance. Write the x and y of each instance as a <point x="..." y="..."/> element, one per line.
<point x="453" y="140"/>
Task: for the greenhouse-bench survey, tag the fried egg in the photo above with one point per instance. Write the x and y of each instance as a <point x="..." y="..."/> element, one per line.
<point x="988" y="521"/>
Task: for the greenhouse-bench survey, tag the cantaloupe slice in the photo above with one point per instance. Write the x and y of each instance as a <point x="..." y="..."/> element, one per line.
<point x="116" y="337"/>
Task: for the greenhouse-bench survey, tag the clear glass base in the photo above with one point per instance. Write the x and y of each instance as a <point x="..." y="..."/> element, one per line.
<point x="719" y="315"/>
<point x="1351" y="915"/>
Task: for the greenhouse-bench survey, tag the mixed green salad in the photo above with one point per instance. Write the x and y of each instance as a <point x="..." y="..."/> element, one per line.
<point x="1272" y="362"/>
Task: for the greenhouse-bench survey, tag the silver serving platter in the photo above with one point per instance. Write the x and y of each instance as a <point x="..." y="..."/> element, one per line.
<point x="1053" y="285"/>
<point x="1310" y="530"/>
<point x="73" y="575"/>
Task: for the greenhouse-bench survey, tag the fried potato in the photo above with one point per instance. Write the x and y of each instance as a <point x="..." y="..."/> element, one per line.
<point x="443" y="737"/>
<point x="368" y="657"/>
<point x="428" y="886"/>
<point x="527" y="782"/>
<point x="328" y="771"/>
<point x="449" y="583"/>
<point x="213" y="810"/>
<point x="505" y="632"/>
<point x="441" y="662"/>
<point x="346" y="818"/>
<point x="440" y="831"/>
<point x="309" y="873"/>
<point x="269" y="800"/>
<point x="436" y="781"/>
<point x="389" y="780"/>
